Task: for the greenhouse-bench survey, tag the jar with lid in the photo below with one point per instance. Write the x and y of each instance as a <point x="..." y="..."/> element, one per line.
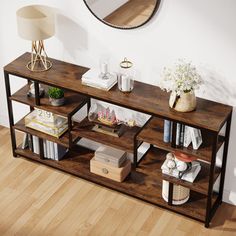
<point x="126" y="76"/>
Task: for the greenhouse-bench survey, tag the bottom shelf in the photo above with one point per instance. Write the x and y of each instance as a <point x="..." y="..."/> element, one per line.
<point x="147" y="187"/>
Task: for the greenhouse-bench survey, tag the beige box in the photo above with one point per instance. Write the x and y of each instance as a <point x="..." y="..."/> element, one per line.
<point x="111" y="172"/>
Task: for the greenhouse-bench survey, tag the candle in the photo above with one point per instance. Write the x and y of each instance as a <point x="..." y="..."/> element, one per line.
<point x="125" y="83"/>
<point x="104" y="68"/>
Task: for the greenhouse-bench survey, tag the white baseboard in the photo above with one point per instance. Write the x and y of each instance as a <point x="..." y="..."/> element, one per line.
<point x="229" y="197"/>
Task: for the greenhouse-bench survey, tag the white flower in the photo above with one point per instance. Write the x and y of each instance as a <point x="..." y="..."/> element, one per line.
<point x="181" y="78"/>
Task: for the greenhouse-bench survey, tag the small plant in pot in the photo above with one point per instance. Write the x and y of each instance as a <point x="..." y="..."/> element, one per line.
<point x="56" y="96"/>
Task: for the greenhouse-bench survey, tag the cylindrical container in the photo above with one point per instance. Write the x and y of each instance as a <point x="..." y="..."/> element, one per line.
<point x="126" y="76"/>
<point x="180" y="193"/>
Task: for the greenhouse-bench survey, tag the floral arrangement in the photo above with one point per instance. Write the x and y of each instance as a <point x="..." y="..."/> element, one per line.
<point x="181" y="78"/>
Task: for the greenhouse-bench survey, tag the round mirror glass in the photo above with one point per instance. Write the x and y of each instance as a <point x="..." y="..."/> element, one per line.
<point x="123" y="14"/>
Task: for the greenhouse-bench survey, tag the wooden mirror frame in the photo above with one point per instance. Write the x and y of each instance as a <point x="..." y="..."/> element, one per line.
<point x="126" y="28"/>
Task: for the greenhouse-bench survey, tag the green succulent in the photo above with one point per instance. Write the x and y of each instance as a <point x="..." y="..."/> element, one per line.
<point x="55" y="93"/>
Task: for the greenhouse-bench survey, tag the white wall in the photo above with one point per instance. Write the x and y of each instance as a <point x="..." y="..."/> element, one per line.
<point x="203" y="31"/>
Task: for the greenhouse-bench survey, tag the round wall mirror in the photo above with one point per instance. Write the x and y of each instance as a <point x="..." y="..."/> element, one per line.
<point x="123" y="14"/>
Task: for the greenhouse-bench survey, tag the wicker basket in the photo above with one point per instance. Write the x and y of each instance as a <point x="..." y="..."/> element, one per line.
<point x="180" y="193"/>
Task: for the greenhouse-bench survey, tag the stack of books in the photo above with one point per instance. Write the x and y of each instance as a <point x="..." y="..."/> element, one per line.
<point x="52" y="150"/>
<point x="185" y="135"/>
<point x="189" y="175"/>
<point x="92" y="78"/>
<point x="55" y="128"/>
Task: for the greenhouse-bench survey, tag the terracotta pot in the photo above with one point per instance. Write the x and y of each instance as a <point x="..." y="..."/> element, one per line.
<point x="186" y="102"/>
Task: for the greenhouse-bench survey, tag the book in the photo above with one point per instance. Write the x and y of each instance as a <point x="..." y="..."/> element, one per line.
<point x="178" y="130"/>
<point x="189" y="176"/>
<point x="54" y="129"/>
<point x="25" y="143"/>
<point x="36" y="144"/>
<point x="59" y="151"/>
<point x="52" y="153"/>
<point x="196" y="137"/>
<point x="167" y="131"/>
<point x="187" y="137"/>
<point x="181" y="140"/>
<point x="91" y="78"/>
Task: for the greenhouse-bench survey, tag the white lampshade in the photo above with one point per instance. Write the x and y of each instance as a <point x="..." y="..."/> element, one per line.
<point x="35" y="22"/>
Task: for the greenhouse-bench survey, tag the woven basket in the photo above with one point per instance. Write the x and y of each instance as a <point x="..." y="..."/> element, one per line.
<point x="180" y="193"/>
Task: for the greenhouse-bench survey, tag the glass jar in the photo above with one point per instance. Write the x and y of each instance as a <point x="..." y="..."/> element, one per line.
<point x="126" y="76"/>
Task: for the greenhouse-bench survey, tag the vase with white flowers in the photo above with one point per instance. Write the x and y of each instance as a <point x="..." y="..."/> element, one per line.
<point x="181" y="80"/>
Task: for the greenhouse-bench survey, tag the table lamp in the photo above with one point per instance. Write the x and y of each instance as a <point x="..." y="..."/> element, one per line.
<point x="36" y="23"/>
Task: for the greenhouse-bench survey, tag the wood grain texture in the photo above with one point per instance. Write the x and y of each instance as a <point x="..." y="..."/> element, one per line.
<point x="73" y="101"/>
<point x="36" y="200"/>
<point x="144" y="98"/>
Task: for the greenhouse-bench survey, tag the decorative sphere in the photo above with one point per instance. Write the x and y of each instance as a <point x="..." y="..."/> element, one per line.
<point x="181" y="166"/>
<point x="171" y="164"/>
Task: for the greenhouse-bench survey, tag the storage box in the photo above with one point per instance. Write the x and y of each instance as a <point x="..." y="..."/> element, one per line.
<point x="111" y="172"/>
<point x="180" y="193"/>
<point x="110" y="156"/>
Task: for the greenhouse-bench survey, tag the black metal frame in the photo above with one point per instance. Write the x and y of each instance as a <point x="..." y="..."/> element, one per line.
<point x="126" y="28"/>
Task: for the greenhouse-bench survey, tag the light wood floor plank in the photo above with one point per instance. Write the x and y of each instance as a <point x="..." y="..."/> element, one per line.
<point x="37" y="200"/>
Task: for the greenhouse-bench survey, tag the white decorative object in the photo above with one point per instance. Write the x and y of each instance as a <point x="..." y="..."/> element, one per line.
<point x="126" y="76"/>
<point x="182" y="80"/>
<point x="180" y="193"/>
<point x="45" y="116"/>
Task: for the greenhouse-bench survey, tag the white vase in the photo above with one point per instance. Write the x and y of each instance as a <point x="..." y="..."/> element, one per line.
<point x="186" y="102"/>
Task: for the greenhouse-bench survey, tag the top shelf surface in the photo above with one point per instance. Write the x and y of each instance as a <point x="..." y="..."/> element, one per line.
<point x="144" y="97"/>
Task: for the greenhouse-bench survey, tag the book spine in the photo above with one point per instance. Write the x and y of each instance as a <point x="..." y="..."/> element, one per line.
<point x="36" y="144"/>
<point x="56" y="151"/>
<point x="48" y="149"/>
<point x="178" y="127"/>
<point x="45" y="149"/>
<point x="182" y="135"/>
<point x="187" y="137"/>
<point x="167" y="128"/>
<point x="30" y="140"/>
<point x="52" y="151"/>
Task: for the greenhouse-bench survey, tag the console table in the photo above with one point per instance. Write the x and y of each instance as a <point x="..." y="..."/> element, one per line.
<point x="145" y="180"/>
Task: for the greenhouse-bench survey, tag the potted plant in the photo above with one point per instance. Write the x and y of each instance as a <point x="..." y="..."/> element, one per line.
<point x="56" y="96"/>
<point x="182" y="80"/>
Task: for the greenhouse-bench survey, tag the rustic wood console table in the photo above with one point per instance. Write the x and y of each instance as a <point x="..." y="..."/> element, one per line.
<point x="145" y="180"/>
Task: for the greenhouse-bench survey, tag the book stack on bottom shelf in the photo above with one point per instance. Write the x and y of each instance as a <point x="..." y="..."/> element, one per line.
<point x="111" y="163"/>
<point x="52" y="150"/>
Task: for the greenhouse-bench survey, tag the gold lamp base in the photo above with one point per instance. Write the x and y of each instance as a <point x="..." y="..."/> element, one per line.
<point x="39" y="61"/>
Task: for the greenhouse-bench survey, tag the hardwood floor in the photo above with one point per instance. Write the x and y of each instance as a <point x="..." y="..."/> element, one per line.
<point x="38" y="200"/>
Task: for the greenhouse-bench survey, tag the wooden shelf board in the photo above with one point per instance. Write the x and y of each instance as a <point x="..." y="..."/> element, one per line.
<point x="153" y="134"/>
<point x="145" y="98"/>
<point x="137" y="184"/>
<point x="63" y="140"/>
<point x="124" y="142"/>
<point x="153" y="160"/>
<point x="73" y="101"/>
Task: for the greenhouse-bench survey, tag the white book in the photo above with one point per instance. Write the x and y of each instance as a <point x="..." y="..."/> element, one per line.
<point x="25" y="142"/>
<point x="60" y="151"/>
<point x="45" y="149"/>
<point x="196" y="137"/>
<point x="52" y="153"/>
<point x="48" y="149"/>
<point x="178" y="126"/>
<point x="36" y="144"/>
<point x="187" y="136"/>
<point x="188" y="176"/>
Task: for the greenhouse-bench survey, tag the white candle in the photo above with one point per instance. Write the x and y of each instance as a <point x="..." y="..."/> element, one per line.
<point x="104" y="68"/>
<point x="125" y="83"/>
